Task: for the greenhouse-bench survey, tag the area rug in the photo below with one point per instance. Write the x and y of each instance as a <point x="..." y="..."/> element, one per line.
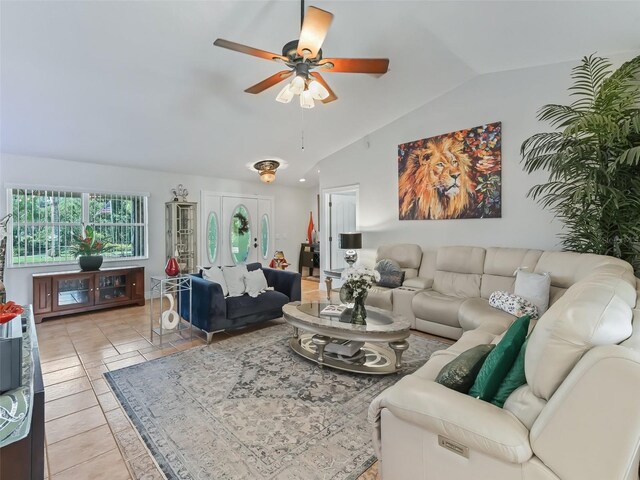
<point x="250" y="408"/>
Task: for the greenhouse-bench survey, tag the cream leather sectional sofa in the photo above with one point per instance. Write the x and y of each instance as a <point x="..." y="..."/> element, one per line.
<point x="446" y="291"/>
<point x="578" y="416"/>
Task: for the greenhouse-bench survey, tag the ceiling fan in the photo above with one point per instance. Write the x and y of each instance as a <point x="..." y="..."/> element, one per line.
<point x="302" y="57"/>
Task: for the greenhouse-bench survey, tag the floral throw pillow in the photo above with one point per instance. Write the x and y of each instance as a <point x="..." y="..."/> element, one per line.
<point x="513" y="304"/>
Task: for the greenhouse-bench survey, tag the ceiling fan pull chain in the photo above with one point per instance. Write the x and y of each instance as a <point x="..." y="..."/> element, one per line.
<point x="302" y="126"/>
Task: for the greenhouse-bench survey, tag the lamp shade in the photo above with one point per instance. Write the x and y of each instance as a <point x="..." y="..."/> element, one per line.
<point x="350" y="240"/>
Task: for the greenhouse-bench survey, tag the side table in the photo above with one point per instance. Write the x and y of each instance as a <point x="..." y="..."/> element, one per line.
<point x="170" y="288"/>
<point x="329" y="275"/>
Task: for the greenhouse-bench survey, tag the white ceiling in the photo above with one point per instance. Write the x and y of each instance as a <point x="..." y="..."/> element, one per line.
<point x="140" y="83"/>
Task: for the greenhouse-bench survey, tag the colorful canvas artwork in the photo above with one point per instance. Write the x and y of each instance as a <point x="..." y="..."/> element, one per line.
<point x="455" y="175"/>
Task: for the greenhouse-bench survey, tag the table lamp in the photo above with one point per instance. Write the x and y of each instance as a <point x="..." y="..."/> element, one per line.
<point x="351" y="242"/>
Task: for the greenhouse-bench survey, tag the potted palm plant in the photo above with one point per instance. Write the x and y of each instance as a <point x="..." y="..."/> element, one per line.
<point x="88" y="249"/>
<point x="593" y="160"/>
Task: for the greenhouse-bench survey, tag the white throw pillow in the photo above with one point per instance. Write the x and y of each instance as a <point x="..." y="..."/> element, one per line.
<point x="533" y="287"/>
<point x="214" y="274"/>
<point x="234" y="276"/>
<point x="255" y="283"/>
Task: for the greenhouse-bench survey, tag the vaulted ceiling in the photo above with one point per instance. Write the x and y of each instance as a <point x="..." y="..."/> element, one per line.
<point x="140" y="83"/>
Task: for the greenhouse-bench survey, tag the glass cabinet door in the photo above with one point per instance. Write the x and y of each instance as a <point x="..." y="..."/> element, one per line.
<point x="73" y="292"/>
<point x="112" y="288"/>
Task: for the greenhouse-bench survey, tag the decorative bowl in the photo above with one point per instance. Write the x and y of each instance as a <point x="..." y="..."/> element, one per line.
<point x="8" y="311"/>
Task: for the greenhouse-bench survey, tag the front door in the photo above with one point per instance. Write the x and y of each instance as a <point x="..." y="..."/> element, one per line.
<point x="237" y="229"/>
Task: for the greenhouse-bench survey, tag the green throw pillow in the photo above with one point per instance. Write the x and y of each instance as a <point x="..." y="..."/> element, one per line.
<point x="513" y="380"/>
<point x="460" y="373"/>
<point x="500" y="360"/>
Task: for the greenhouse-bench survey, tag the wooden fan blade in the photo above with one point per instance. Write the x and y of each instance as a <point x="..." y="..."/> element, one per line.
<point x="376" y="66"/>
<point x="332" y="96"/>
<point x="269" y="82"/>
<point x="238" y="47"/>
<point x="314" y="30"/>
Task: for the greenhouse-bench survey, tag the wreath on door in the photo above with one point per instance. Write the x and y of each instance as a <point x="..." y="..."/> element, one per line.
<point x="242" y="225"/>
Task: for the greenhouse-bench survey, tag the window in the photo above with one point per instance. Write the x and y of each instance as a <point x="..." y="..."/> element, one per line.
<point x="44" y="222"/>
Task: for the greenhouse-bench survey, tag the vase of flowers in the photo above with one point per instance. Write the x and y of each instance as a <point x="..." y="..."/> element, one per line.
<point x="357" y="282"/>
<point x="88" y="249"/>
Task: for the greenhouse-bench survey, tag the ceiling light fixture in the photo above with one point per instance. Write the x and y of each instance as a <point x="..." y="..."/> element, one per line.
<point x="302" y="180"/>
<point x="267" y="170"/>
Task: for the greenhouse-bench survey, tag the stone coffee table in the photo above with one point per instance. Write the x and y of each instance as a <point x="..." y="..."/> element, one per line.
<point x="312" y="332"/>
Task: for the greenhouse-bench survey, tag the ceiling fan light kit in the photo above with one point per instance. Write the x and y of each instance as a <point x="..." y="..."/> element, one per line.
<point x="304" y="55"/>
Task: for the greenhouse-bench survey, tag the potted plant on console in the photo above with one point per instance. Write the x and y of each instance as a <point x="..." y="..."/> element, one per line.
<point x="88" y="249"/>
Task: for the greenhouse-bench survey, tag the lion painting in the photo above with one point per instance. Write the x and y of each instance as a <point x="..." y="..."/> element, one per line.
<point x="437" y="178"/>
<point x="435" y="183"/>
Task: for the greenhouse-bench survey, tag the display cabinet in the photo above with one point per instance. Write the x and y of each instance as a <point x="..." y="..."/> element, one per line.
<point x="62" y="293"/>
<point x="182" y="230"/>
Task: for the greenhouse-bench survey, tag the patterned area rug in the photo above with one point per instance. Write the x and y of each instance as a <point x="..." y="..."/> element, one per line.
<point x="250" y="408"/>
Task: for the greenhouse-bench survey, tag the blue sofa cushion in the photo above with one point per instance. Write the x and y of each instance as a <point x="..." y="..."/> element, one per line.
<point x="265" y="302"/>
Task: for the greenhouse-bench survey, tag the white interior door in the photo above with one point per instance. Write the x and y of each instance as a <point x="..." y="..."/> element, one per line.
<point x="342" y="219"/>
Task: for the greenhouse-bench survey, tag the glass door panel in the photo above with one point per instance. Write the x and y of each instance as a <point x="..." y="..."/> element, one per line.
<point x="74" y="292"/>
<point x="240" y="234"/>
<point x="264" y="236"/>
<point x="112" y="288"/>
<point x="212" y="237"/>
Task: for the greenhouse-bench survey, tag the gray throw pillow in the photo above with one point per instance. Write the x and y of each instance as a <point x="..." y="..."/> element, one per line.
<point x="461" y="372"/>
<point x="391" y="275"/>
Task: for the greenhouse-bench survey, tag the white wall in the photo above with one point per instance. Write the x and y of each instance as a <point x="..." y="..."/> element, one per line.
<point x="512" y="97"/>
<point x="291" y="213"/>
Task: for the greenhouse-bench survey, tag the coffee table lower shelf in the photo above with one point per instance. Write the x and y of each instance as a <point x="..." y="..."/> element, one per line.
<point x="372" y="359"/>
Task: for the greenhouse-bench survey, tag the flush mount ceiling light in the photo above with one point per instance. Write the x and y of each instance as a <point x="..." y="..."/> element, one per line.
<point x="267" y="170"/>
<point x="302" y="56"/>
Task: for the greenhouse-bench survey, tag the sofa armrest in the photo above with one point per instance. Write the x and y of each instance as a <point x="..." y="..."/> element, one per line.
<point x="590" y="427"/>
<point x="418" y="282"/>
<point x="471" y="422"/>
<point x="207" y="301"/>
<point x="285" y="282"/>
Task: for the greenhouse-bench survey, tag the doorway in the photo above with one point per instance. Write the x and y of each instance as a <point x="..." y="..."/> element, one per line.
<point x="340" y="215"/>
<point x="236" y="229"/>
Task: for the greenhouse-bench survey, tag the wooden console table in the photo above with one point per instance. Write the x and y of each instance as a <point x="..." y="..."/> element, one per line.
<point x="22" y="453"/>
<point x="64" y="293"/>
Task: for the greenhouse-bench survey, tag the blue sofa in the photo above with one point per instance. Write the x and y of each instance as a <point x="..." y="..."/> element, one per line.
<point x="213" y="312"/>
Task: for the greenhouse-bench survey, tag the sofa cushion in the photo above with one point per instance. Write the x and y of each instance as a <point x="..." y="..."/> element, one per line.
<point x="468" y="340"/>
<point x="461" y="259"/>
<point x="596" y="311"/>
<point x="255" y="283"/>
<point x="533" y="287"/>
<point x="514" y="379"/>
<point x="503" y="262"/>
<point x="476" y="313"/>
<point x="567" y="268"/>
<point x="513" y="304"/>
<point x="462" y="285"/>
<point x="524" y="404"/>
<point x="380" y="297"/>
<point x="234" y="277"/>
<point x="215" y="275"/>
<point x="437" y="307"/>
<point x="244" y="305"/>
<point x="407" y="255"/>
<point x="391" y="275"/>
<point x="500" y="360"/>
<point x="460" y="373"/>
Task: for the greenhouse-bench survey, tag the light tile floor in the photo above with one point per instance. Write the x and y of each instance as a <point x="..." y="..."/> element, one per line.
<point x="87" y="434"/>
